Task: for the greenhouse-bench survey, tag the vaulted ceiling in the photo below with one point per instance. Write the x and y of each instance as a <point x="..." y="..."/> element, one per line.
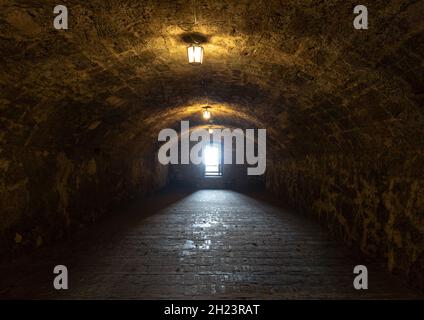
<point x="298" y="68"/>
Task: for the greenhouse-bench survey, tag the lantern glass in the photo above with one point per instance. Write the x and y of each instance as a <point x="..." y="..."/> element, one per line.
<point x="206" y="114"/>
<point x="195" y="54"/>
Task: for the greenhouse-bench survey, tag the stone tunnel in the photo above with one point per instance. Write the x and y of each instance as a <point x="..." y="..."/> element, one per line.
<point x="81" y="185"/>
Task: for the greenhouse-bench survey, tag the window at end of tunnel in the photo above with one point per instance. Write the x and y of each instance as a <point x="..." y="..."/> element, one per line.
<point x="212" y="160"/>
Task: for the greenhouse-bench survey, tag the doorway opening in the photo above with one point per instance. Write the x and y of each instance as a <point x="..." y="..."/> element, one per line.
<point x="212" y="160"/>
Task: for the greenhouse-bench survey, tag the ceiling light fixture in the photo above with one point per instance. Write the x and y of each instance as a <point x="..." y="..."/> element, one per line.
<point x="195" y="54"/>
<point x="194" y="50"/>
<point x="206" y="113"/>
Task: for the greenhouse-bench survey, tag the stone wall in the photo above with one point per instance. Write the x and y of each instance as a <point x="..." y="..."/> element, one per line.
<point x="372" y="201"/>
<point x="46" y="194"/>
<point x="73" y="99"/>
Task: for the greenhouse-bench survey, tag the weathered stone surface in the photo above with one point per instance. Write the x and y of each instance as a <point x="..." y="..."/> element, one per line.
<point x="377" y="205"/>
<point x="80" y="109"/>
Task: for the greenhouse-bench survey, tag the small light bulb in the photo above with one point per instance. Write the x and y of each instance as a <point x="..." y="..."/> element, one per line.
<point x="210" y="130"/>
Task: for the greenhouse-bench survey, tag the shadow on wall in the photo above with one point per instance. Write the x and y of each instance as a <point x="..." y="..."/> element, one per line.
<point x="57" y="193"/>
<point x="374" y="202"/>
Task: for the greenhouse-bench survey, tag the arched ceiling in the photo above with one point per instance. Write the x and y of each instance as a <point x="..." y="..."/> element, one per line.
<point x="297" y="68"/>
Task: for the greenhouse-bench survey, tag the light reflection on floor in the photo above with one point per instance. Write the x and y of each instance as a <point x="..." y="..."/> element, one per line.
<point x="205" y="244"/>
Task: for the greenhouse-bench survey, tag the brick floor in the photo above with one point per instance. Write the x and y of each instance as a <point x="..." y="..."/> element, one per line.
<point x="205" y="244"/>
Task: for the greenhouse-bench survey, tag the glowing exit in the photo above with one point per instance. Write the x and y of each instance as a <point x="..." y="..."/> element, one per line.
<point x="212" y="160"/>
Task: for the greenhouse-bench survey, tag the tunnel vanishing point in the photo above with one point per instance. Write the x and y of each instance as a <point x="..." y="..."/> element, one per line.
<point x="81" y="109"/>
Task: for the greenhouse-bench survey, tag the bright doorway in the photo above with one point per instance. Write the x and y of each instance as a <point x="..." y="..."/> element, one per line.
<point x="212" y="160"/>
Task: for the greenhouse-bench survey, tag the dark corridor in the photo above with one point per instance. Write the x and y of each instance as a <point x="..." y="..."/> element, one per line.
<point x="109" y="188"/>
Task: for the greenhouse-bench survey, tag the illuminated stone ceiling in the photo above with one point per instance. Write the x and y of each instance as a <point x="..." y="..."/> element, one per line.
<point x="119" y="74"/>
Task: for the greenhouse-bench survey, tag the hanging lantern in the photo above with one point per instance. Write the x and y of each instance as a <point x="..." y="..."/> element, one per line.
<point x="206" y="113"/>
<point x="195" y="54"/>
<point x="210" y="130"/>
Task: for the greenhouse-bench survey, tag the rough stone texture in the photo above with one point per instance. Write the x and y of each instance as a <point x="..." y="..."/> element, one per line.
<point x="57" y="192"/>
<point x="80" y="109"/>
<point x="207" y="244"/>
<point x="376" y="204"/>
